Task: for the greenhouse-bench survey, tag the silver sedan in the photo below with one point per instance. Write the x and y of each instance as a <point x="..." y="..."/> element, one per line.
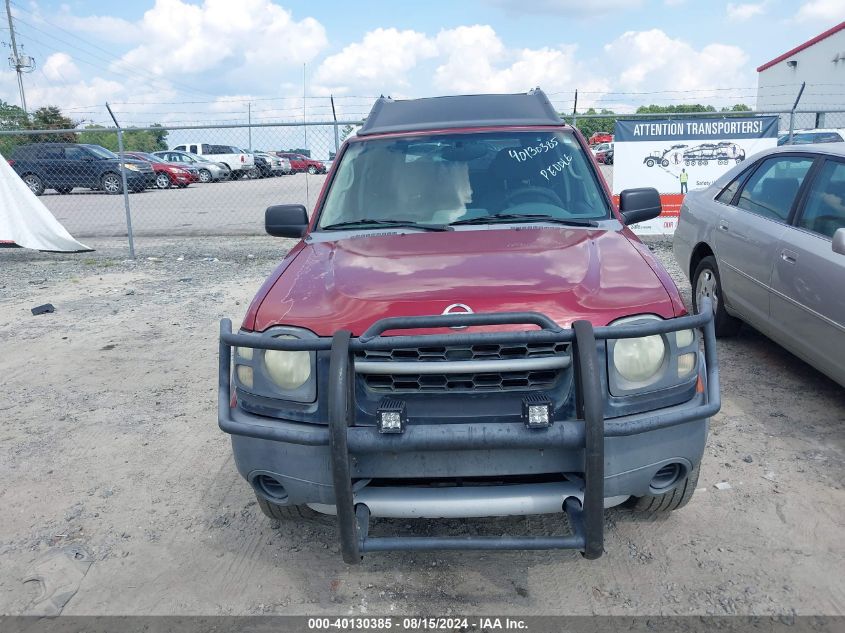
<point x="766" y="242"/>
<point x="209" y="171"/>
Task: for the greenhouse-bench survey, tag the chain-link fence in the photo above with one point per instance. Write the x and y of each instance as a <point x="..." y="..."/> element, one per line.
<point x="219" y="179"/>
<point x="199" y="181"/>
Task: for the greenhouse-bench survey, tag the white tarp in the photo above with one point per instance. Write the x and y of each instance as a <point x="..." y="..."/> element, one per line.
<point x="25" y="220"/>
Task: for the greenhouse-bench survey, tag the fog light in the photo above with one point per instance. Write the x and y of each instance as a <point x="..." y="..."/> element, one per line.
<point x="537" y="411"/>
<point x="686" y="363"/>
<point x="391" y="416"/>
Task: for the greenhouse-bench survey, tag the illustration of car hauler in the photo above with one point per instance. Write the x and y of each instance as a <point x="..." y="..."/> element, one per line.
<point x="722" y="152"/>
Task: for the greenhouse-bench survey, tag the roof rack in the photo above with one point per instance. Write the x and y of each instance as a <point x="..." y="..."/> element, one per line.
<point x="437" y="113"/>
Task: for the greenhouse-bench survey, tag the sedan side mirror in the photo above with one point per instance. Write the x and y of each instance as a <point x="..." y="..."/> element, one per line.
<point x="639" y="205"/>
<point x="286" y="220"/>
<point x="839" y="242"/>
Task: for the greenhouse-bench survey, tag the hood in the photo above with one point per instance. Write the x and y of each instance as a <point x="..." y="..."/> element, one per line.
<point x="567" y="274"/>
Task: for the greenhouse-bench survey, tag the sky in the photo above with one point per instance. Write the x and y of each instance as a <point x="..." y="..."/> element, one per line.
<point x="190" y="61"/>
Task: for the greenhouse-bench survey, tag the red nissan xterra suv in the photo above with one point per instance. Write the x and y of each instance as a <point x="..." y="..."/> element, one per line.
<point x="467" y="327"/>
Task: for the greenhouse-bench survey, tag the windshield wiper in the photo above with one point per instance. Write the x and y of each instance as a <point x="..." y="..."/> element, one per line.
<point x="363" y="222"/>
<point x="497" y="218"/>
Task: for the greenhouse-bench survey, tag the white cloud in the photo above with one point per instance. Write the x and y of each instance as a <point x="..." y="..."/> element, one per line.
<point x="575" y="8"/>
<point x="651" y="61"/>
<point x="60" y="67"/>
<point x="252" y="37"/>
<point x="745" y="11"/>
<point x="381" y="60"/>
<point x="821" y="11"/>
<point x="101" y="27"/>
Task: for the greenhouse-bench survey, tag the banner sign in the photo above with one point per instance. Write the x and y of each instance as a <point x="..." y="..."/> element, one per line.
<point x="674" y="156"/>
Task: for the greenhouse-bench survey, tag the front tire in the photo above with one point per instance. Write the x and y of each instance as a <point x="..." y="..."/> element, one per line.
<point x="205" y="176"/>
<point x="666" y="502"/>
<point x="288" y="513"/>
<point x="706" y="282"/>
<point x="35" y="184"/>
<point x="163" y="181"/>
<point x="312" y="170"/>
<point x="111" y="184"/>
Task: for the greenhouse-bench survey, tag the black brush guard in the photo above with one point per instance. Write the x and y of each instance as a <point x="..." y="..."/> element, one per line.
<point x="343" y="438"/>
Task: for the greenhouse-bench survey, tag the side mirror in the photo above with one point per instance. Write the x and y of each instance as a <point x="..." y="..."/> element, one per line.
<point x="639" y="205"/>
<point x="839" y="242"/>
<point x="286" y="220"/>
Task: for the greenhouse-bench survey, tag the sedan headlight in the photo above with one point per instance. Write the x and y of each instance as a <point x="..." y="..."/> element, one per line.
<point x="131" y="166"/>
<point x="653" y="362"/>
<point x="277" y="374"/>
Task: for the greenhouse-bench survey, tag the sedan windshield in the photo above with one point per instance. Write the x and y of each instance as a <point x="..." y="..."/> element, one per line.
<point x="475" y="178"/>
<point x="101" y="152"/>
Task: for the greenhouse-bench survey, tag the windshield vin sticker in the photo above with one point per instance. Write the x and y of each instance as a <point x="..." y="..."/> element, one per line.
<point x="557" y="167"/>
<point x="521" y="155"/>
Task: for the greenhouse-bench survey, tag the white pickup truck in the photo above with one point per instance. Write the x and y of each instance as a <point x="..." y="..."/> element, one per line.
<point x="240" y="163"/>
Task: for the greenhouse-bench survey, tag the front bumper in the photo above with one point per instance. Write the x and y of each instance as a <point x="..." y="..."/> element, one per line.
<point x="586" y="445"/>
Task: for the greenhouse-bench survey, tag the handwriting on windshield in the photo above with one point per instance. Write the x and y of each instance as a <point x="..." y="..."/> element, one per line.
<point x="557" y="167"/>
<point x="525" y="153"/>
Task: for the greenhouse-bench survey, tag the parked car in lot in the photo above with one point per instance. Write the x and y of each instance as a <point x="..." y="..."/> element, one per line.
<point x="803" y="137"/>
<point x="167" y="174"/>
<point x="608" y="157"/>
<point x="601" y="147"/>
<point x="63" y="166"/>
<point x="600" y="137"/>
<point x="467" y="327"/>
<point x="601" y="155"/>
<point x="239" y="163"/>
<point x="208" y="171"/>
<point x="300" y="163"/>
<point x="766" y="244"/>
<point x="278" y="165"/>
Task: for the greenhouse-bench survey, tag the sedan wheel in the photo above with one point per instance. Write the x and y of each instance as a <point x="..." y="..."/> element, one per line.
<point x="35" y="184"/>
<point x="312" y="170"/>
<point x="706" y="283"/>
<point x="205" y="175"/>
<point x="162" y="181"/>
<point x="112" y="184"/>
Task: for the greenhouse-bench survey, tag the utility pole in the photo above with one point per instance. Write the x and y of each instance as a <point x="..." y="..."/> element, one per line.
<point x="249" y="119"/>
<point x="20" y="63"/>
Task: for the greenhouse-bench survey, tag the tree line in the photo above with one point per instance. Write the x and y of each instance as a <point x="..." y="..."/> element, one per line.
<point x="14" y="118"/>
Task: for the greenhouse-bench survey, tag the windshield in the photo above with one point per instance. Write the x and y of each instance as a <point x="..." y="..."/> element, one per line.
<point x="101" y="152"/>
<point x="444" y="178"/>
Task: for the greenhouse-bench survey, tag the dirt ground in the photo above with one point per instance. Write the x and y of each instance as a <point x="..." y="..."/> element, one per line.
<point x="111" y="451"/>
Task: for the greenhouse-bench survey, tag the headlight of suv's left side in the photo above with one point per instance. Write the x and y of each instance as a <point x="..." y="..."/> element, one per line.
<point x="278" y="374"/>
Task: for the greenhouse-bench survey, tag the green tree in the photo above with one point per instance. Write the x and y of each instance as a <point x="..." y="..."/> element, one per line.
<point x="133" y="140"/>
<point x="675" y="109"/>
<point x="590" y="125"/>
<point x="11" y="118"/>
<point x="51" y="118"/>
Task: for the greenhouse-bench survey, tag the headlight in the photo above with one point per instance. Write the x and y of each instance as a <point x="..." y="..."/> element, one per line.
<point x="289" y="370"/>
<point x="131" y="166"/>
<point x="651" y="363"/>
<point x="639" y="359"/>
<point x="277" y="374"/>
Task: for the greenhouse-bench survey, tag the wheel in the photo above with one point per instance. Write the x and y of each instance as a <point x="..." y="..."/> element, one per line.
<point x="64" y="190"/>
<point x="111" y="184"/>
<point x="649" y="163"/>
<point x="664" y="162"/>
<point x="674" y="499"/>
<point x="289" y="513"/>
<point x="35" y="184"/>
<point x="253" y="173"/>
<point x="205" y="175"/>
<point x="163" y="181"/>
<point x="707" y="283"/>
<point x="312" y="170"/>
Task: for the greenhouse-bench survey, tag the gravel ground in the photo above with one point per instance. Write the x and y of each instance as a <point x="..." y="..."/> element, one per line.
<point x="111" y="452"/>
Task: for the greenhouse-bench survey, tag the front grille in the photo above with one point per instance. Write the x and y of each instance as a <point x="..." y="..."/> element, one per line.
<point x="509" y="380"/>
